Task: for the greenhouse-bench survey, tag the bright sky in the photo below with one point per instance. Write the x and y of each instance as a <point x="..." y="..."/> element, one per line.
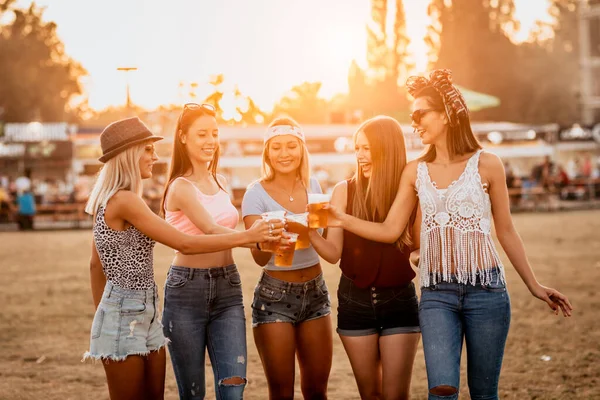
<point x="263" y="46"/>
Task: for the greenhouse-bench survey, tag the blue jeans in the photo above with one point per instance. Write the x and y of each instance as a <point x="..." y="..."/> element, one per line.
<point x="449" y="312"/>
<point x="204" y="310"/>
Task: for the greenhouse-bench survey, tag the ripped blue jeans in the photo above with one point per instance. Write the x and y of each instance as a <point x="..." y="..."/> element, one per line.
<point x="451" y="313"/>
<point x="204" y="311"/>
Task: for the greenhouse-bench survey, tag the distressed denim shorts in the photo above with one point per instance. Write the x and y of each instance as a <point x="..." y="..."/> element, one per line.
<point x="293" y="302"/>
<point x="126" y="323"/>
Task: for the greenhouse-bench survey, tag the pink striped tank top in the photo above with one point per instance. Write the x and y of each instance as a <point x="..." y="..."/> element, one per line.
<point x="218" y="206"/>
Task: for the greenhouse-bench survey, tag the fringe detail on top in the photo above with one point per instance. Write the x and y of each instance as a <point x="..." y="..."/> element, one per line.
<point x="469" y="253"/>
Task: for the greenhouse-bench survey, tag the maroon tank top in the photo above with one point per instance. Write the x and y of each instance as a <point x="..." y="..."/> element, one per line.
<point x="368" y="263"/>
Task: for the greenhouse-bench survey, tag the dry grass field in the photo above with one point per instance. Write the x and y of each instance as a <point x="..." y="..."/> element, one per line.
<point x="46" y="312"/>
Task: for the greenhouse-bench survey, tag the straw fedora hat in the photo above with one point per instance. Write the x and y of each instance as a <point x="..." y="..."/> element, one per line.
<point x="121" y="135"/>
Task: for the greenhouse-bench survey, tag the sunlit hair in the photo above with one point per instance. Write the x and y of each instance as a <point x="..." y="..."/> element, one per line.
<point x="303" y="172"/>
<point x="460" y="138"/>
<point x="374" y="196"/>
<point x="122" y="172"/>
<point x="180" y="159"/>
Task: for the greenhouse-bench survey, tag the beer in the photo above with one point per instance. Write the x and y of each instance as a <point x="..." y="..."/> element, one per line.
<point x="284" y="257"/>
<point x="317" y="216"/>
<point x="272" y="246"/>
<point x="298" y="223"/>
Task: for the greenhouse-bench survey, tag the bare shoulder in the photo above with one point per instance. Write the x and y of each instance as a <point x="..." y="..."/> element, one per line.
<point x="126" y="199"/>
<point x="410" y="170"/>
<point x="341" y="187"/>
<point x="179" y="187"/>
<point x="490" y="162"/>
<point x="412" y="165"/>
<point x="339" y="195"/>
<point x="222" y="180"/>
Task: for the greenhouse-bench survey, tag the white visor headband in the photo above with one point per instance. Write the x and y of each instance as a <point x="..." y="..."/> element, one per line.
<point x="281" y="130"/>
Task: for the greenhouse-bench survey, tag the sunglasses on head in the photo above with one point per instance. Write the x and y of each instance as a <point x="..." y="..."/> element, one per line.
<point x="417" y="115"/>
<point x="195" y="106"/>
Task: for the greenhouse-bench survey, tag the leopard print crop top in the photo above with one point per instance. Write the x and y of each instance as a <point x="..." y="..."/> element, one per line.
<point x="126" y="256"/>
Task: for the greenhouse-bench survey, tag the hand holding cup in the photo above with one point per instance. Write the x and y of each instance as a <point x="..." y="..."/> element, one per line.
<point x="275" y="221"/>
<point x="264" y="231"/>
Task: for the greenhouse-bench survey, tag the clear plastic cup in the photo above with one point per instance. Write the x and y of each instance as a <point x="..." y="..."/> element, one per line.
<point x="298" y="223"/>
<point x="272" y="247"/>
<point x="317" y="215"/>
<point x="284" y="257"/>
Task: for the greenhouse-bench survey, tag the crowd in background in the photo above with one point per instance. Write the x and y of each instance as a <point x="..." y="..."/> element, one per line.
<point x="20" y="197"/>
<point x="570" y="182"/>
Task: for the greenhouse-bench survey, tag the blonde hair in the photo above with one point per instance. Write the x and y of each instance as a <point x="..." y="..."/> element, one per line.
<point x="303" y="172"/>
<point x="122" y="172"/>
<point x="374" y="196"/>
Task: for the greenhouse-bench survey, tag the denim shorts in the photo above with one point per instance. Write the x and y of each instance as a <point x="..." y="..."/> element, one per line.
<point x="372" y="310"/>
<point x="126" y="323"/>
<point x="293" y="302"/>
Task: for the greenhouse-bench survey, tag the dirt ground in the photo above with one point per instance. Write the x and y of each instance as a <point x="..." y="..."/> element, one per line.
<point x="46" y="311"/>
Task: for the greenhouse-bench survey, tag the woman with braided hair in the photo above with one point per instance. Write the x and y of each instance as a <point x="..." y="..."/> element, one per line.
<point x="463" y="291"/>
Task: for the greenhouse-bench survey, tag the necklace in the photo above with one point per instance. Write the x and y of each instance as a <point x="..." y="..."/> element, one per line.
<point x="292" y="192"/>
<point x="290" y="197"/>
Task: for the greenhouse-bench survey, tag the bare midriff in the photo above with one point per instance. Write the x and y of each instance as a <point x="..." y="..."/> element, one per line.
<point x="207" y="260"/>
<point x="298" y="275"/>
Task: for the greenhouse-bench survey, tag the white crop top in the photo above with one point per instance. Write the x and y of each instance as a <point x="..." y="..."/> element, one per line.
<point x="456" y="228"/>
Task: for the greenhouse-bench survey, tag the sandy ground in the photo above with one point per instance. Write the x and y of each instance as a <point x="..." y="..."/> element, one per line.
<point x="46" y="314"/>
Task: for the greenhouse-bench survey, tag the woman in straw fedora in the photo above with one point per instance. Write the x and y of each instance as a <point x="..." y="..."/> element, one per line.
<point x="126" y="333"/>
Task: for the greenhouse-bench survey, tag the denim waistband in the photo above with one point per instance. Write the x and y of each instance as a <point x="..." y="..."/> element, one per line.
<point x="496" y="275"/>
<point x="147" y="295"/>
<point x="212" y="272"/>
<point x="290" y="287"/>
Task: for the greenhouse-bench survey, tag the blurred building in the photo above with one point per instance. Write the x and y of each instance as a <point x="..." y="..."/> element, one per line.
<point x="43" y="149"/>
<point x="589" y="34"/>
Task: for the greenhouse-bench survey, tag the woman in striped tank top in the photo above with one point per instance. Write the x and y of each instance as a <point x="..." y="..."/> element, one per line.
<point x="204" y="310"/>
<point x="463" y="292"/>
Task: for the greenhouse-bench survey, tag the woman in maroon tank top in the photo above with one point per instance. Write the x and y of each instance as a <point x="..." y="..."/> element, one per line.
<point x="378" y="319"/>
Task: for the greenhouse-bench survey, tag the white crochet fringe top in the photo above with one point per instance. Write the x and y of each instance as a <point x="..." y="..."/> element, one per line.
<point x="456" y="242"/>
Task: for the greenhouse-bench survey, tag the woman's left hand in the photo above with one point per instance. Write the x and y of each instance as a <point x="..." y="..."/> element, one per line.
<point x="554" y="299"/>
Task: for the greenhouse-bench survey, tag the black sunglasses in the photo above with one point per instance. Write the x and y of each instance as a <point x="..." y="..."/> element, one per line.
<point x="195" y="106"/>
<point x="417" y="115"/>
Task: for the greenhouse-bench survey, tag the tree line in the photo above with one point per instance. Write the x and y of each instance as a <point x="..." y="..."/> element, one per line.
<point x="536" y="81"/>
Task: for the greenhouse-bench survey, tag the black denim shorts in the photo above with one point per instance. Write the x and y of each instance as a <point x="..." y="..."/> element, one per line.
<point x="372" y="310"/>
<point x="280" y="301"/>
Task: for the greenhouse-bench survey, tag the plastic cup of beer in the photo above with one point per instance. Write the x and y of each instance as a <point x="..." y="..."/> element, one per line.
<point x="298" y="223"/>
<point x="284" y="257"/>
<point x="317" y="216"/>
<point x="272" y="246"/>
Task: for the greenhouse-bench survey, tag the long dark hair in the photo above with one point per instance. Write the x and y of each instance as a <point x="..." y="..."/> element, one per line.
<point x="461" y="139"/>
<point x="180" y="160"/>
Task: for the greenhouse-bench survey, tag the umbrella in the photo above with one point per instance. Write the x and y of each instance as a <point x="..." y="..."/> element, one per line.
<point x="478" y="101"/>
